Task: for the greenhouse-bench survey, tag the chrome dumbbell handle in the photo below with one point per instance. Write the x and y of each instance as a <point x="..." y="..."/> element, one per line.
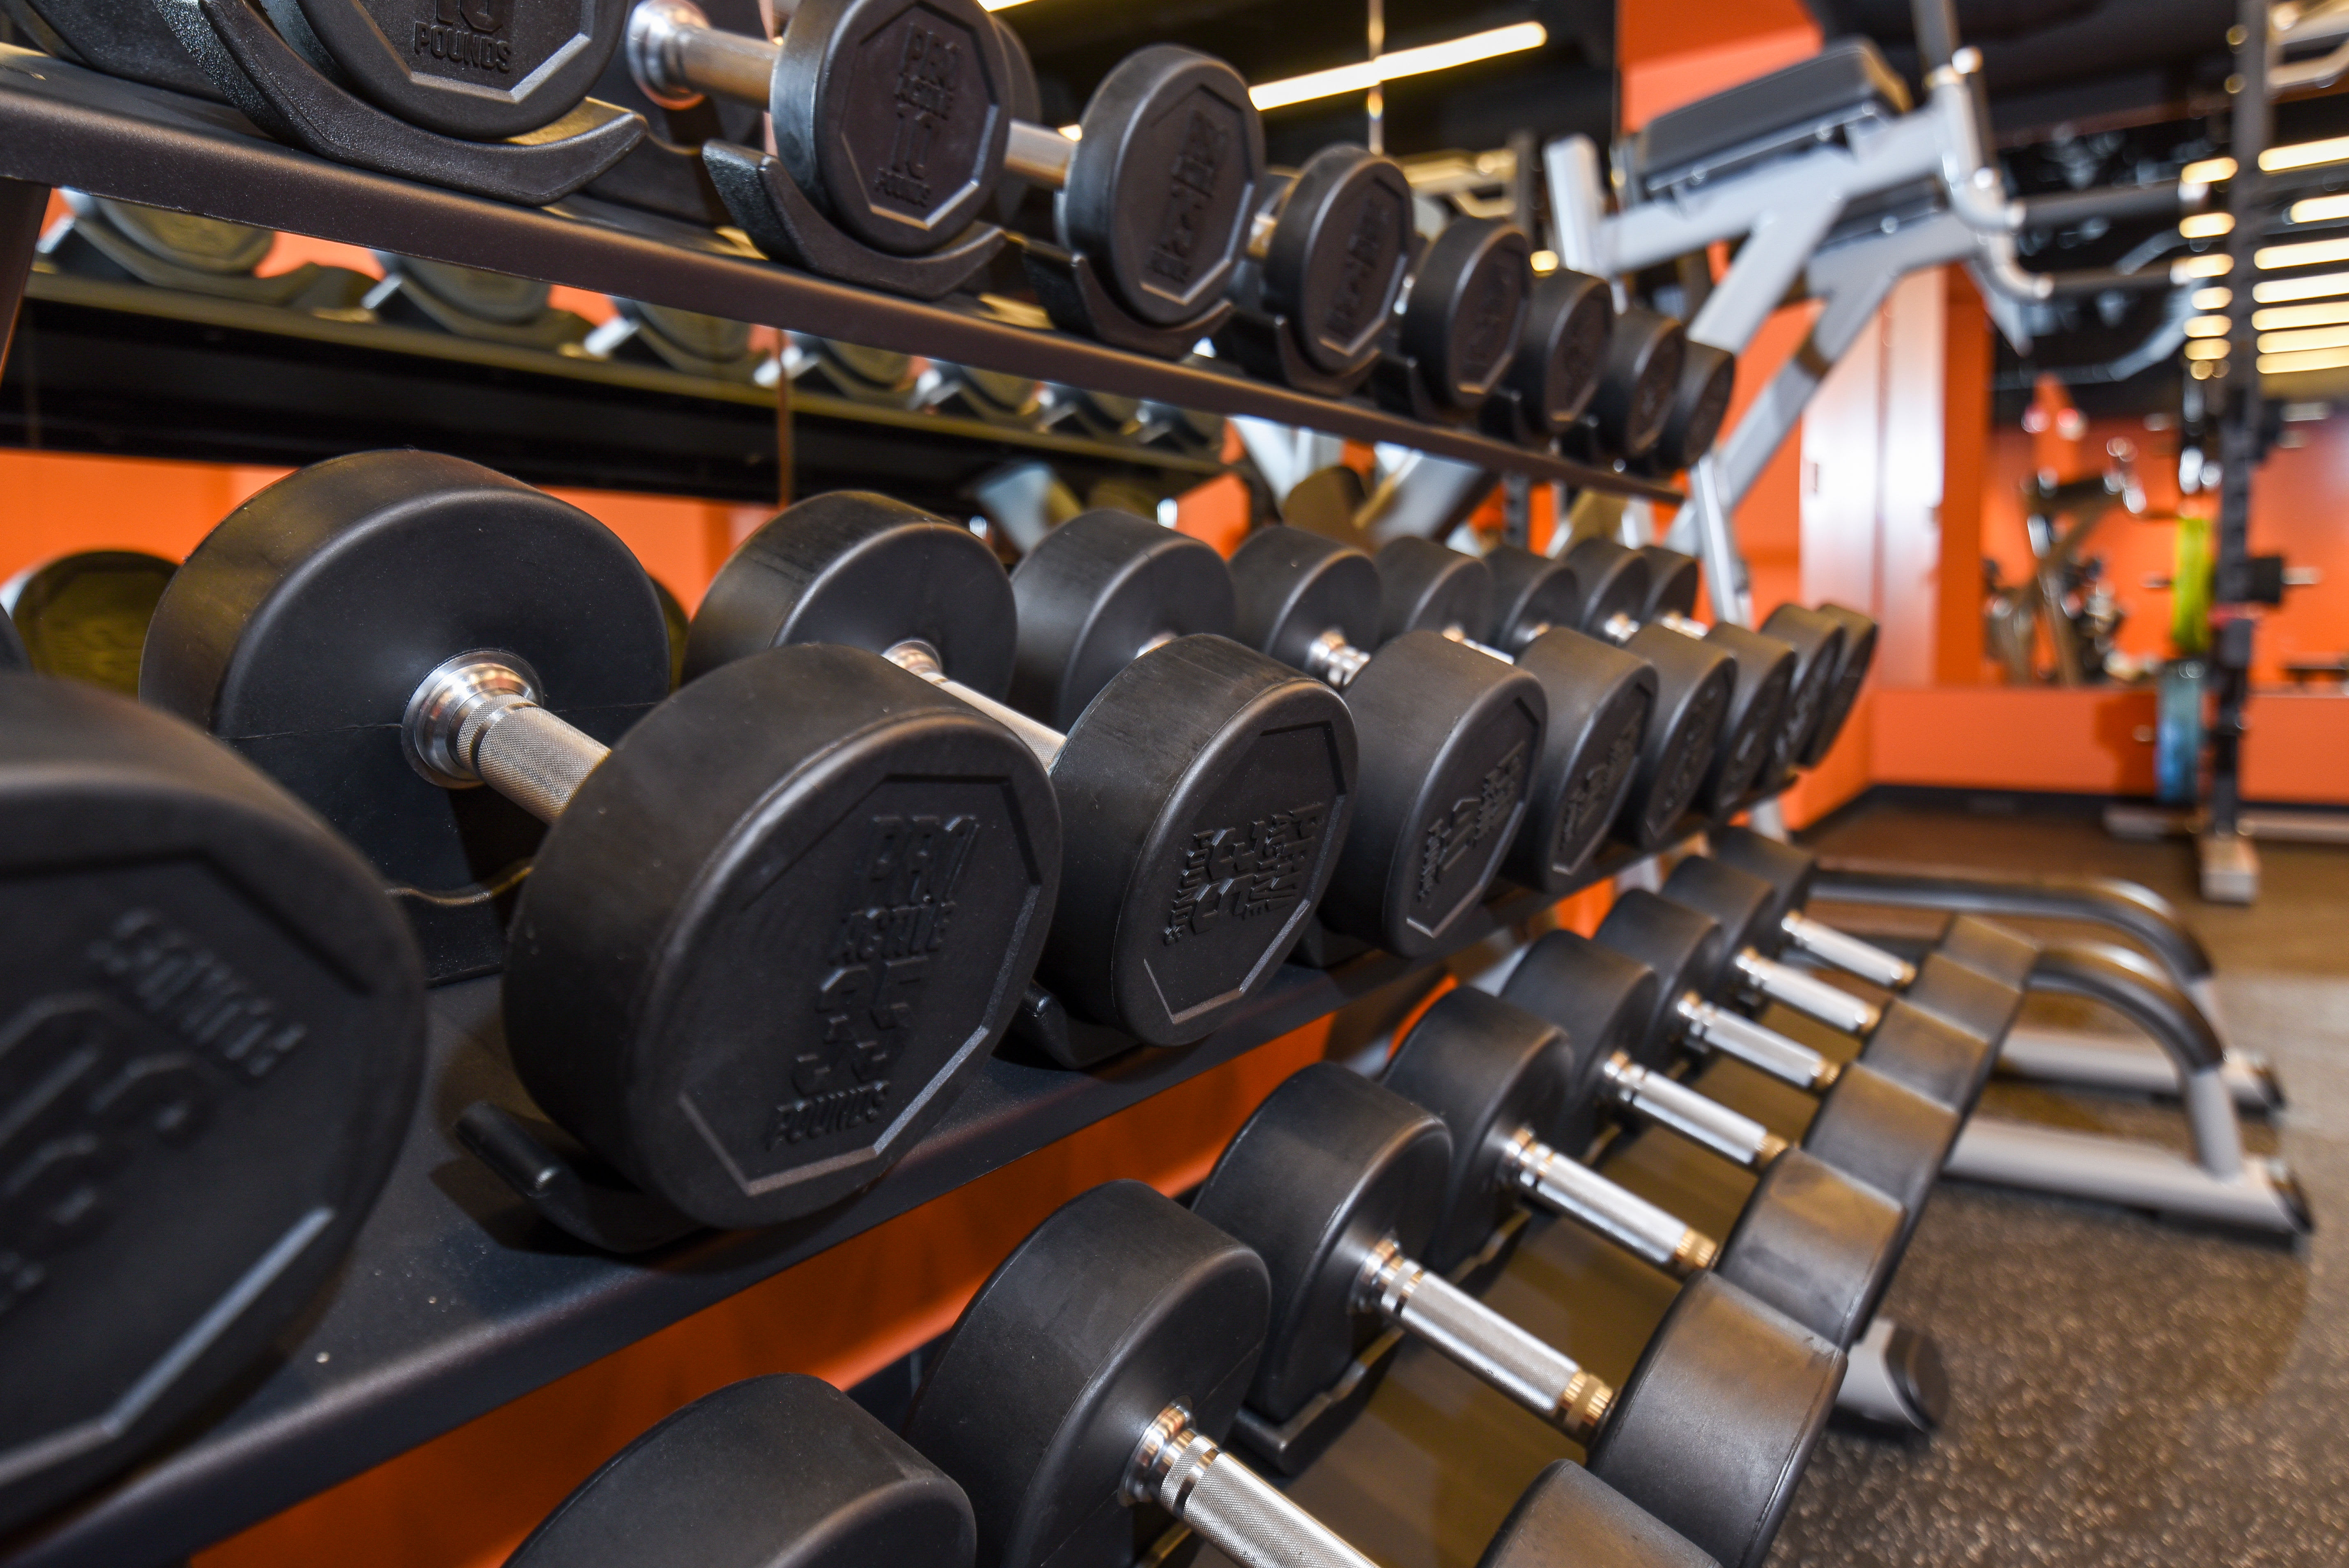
<point x="922" y="659"/>
<point x="1228" y="1505"/>
<point x="1571" y="1189"/>
<point x="1848" y="953"/>
<point x="1675" y="1106"/>
<point x="1541" y="1377"/>
<point x="676" y="57"/>
<point x="1755" y="1044"/>
<point x="476" y="719"/>
<point x="1806" y="993"/>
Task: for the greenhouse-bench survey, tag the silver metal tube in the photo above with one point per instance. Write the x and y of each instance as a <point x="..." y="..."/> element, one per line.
<point x="1230" y="1506"/>
<point x="1685" y="625"/>
<point x="532" y="758"/>
<point x="2211" y="1116"/>
<point x="1756" y="1044"/>
<point x="922" y="659"/>
<point x="1682" y="1110"/>
<point x="1039" y="153"/>
<point x="1541" y="1377"/>
<point x="1334" y="660"/>
<point x="1619" y="628"/>
<point x="1835" y="1008"/>
<point x="675" y="56"/>
<point x="1848" y="953"/>
<point x="1569" y="1188"/>
<point x="476" y="719"/>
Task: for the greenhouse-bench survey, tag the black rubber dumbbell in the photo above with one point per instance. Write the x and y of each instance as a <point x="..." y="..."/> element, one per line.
<point x="1599" y="697"/>
<point x="1940" y="1033"/>
<point x="1327" y="252"/>
<point x="1857" y="652"/>
<point x="211" y="1045"/>
<point x="1818" y="644"/>
<point x="1708" y="379"/>
<point x="1338" y="1184"/>
<point x="777" y="920"/>
<point x="1646" y="357"/>
<point x="1617" y="587"/>
<point x="1560" y="359"/>
<point x="1768" y="699"/>
<point x="784" y="1471"/>
<point x="1449" y="739"/>
<point x="1081" y="1400"/>
<point x="84" y="616"/>
<point x="1195" y="754"/>
<point x="1457" y="325"/>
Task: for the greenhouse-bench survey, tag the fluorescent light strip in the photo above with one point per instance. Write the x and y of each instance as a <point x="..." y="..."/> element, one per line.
<point x="2207" y="326"/>
<point x="2319" y="359"/>
<point x="2277" y="318"/>
<point x="2318" y="287"/>
<point x="2212" y="298"/>
<point x="2205" y="349"/>
<point x="1367" y="74"/>
<point x="2305" y="154"/>
<point x="2319" y="210"/>
<point x="2206" y="225"/>
<point x="2308" y="252"/>
<point x="2215" y="264"/>
<point x="2294" y="342"/>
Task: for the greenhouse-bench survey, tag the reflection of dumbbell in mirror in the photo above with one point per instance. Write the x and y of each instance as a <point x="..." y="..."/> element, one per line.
<point x="1204" y="789"/>
<point x="778" y="919"/>
<point x="1081" y="1400"/>
<point x="1339" y="1184"/>
<point x="784" y="1472"/>
<point x="1599" y="697"/>
<point x="1807" y="628"/>
<point x="213" y="1027"/>
<point x="84" y="616"/>
<point x="1449" y="739"/>
<point x="489" y="306"/>
<point x="99" y="237"/>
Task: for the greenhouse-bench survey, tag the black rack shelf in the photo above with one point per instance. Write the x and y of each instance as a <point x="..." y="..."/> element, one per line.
<point x="457" y="1297"/>
<point x="62" y="124"/>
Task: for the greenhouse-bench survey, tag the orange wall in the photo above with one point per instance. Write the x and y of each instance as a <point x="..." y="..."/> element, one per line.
<point x="1672" y="55"/>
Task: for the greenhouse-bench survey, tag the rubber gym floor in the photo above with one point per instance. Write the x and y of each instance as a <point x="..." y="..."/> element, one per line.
<point x="2124" y="1391"/>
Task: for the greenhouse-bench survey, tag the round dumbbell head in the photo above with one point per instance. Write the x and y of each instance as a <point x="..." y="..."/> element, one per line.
<point x="1330" y="1165"/>
<point x="477" y="69"/>
<point x="893" y="116"/>
<point x="772" y="1472"/>
<point x="1745" y="906"/>
<point x="1122" y="1304"/>
<point x="1101" y="590"/>
<point x="1644" y="357"/>
<point x="1693" y="683"/>
<point x="1023" y="99"/>
<point x="1569" y="1515"/>
<point x="1490" y="1071"/>
<point x="1699" y="403"/>
<point x="1531" y="593"/>
<point x="1340" y="251"/>
<point x="1601" y="699"/>
<point x="212" y="1040"/>
<point x="1786" y="869"/>
<point x="1467" y="308"/>
<point x="201" y="245"/>
<point x="712" y="338"/>
<point x="1612" y="578"/>
<point x="85" y="617"/>
<point x="1422" y="587"/>
<point x="1717" y="1418"/>
<point x="1293" y="588"/>
<point x="1562" y="352"/>
<point x="1685" y="948"/>
<point x="1858" y="653"/>
<point x="1162" y="185"/>
<point x="493" y="296"/>
<point x="1887" y="1136"/>
<point x="1603" y="1001"/>
<point x="1673" y="581"/>
<point x="1817" y="641"/>
<point x="1817" y="1245"/>
<point x="1764" y="670"/>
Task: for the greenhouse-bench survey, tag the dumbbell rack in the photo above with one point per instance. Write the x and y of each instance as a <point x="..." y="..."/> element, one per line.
<point x="457" y="1297"/>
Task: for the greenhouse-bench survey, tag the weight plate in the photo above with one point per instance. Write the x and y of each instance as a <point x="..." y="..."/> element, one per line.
<point x="1693" y="686"/>
<point x="1817" y="641"/>
<point x="1340" y="251"/>
<point x="1490" y="1071"/>
<point x="1449" y="740"/>
<point x="1467" y="308"/>
<point x="779" y="930"/>
<point x="891" y="115"/>
<point x="85" y="617"/>
<point x="1858" y="653"/>
<point x="1612" y="579"/>
<point x="1604" y="1002"/>
<point x="1763" y="672"/>
<point x="1120" y="1305"/>
<point x="772" y="1472"/>
<point x="201" y="245"/>
<point x="1644" y="356"/>
<point x="864" y="571"/>
<point x="1330" y="1165"/>
<point x="1292" y="588"/>
<point x="1204" y="794"/>
<point x="1101" y="590"/>
<point x="1673" y="580"/>
<point x="1569" y="1515"/>
<point x="1422" y="587"/>
<point x="211" y="1037"/>
<point x="1562" y="352"/>
<point x="476" y="69"/>
<point x="1163" y="183"/>
<point x="1715" y="1424"/>
<point x="1531" y="593"/>
<point x="1699" y="403"/>
<point x="1684" y="949"/>
<point x="1816" y="1244"/>
<point x="1600" y="700"/>
<point x="493" y="296"/>
<point x="299" y="629"/>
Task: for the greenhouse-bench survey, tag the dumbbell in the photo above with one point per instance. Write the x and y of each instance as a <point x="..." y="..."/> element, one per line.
<point x="1972" y="979"/>
<point x="1082" y="1395"/>
<point x="784" y="1472"/>
<point x="1327" y="252"/>
<point x="1449" y="739"/>
<point x="1768" y="666"/>
<point x="1560" y="359"/>
<point x="1338" y="1184"/>
<point x="1859" y="651"/>
<point x="1599" y="697"/>
<point x="1458" y="322"/>
<point x="1647" y="355"/>
<point x="387" y="631"/>
<point x="84" y="616"/>
<point x="470" y="302"/>
<point x="1615" y="582"/>
<point x="1708" y="378"/>
<point x="1940" y="1037"/>
<point x="212" y="1044"/>
<point x="101" y="237"/>
<point x="1204" y="790"/>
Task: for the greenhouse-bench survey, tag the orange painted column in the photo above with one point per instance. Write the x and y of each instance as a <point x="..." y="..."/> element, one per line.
<point x="1966" y="360"/>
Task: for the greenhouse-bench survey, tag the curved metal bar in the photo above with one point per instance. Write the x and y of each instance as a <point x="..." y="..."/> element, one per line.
<point x="2132" y="986"/>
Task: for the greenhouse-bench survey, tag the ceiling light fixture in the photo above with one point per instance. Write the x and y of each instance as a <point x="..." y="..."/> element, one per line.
<point x="2333" y="312"/>
<point x="1367" y="74"/>
<point x="2308" y="252"/>
<point x="2315" y="359"/>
